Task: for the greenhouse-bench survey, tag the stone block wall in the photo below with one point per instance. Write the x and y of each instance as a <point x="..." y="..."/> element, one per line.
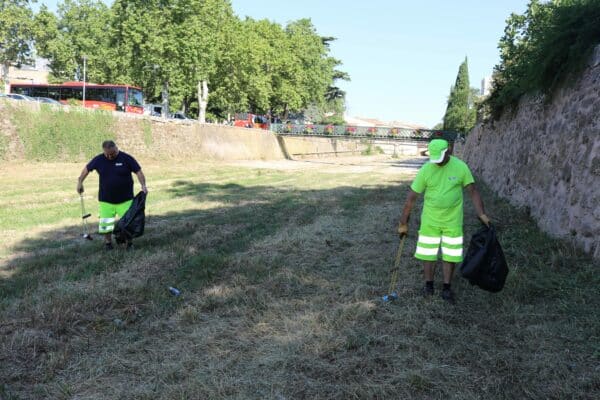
<point x="546" y="157"/>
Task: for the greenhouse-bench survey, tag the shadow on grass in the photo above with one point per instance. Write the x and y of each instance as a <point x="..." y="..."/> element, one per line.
<point x="250" y="214"/>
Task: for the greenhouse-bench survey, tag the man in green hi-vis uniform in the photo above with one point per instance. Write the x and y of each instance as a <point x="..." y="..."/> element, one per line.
<point x="115" y="192"/>
<point x="442" y="180"/>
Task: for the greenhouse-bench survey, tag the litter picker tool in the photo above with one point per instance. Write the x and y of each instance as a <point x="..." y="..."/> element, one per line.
<point x="84" y="217"/>
<point x="392" y="294"/>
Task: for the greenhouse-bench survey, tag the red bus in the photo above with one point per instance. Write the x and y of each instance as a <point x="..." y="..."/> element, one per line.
<point x="104" y="97"/>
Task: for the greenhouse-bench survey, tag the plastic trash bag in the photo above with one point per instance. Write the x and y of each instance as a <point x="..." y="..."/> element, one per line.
<point x="484" y="264"/>
<point x="132" y="223"/>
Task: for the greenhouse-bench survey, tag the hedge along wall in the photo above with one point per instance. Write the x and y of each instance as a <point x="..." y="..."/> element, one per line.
<point x="546" y="157"/>
<point x="42" y="132"/>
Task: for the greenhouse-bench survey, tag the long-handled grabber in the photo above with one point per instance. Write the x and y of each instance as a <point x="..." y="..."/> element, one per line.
<point x="392" y="293"/>
<point x="84" y="217"/>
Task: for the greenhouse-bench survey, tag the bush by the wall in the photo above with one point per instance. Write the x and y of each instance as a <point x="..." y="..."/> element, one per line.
<point x="56" y="134"/>
<point x="542" y="48"/>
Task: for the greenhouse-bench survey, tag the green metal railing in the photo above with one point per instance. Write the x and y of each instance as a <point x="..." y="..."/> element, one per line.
<point x="373" y="132"/>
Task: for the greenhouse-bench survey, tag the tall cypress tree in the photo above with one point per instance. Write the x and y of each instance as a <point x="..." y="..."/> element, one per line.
<point x="460" y="114"/>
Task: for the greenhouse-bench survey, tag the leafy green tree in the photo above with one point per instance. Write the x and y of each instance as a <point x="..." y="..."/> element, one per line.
<point x="202" y="34"/>
<point x="81" y="29"/>
<point x="543" y="48"/>
<point x="45" y="30"/>
<point x="277" y="70"/>
<point x="461" y="113"/>
<point x="16" y="34"/>
<point x="169" y="47"/>
<point x="269" y="73"/>
<point x="335" y="99"/>
<point x="230" y="88"/>
<point x="170" y="44"/>
<point x="309" y="71"/>
<point x="145" y="52"/>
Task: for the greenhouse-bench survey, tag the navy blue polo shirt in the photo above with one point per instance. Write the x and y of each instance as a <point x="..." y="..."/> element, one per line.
<point x="116" y="183"/>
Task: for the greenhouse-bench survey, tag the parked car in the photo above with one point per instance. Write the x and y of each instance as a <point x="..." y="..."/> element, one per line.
<point x="47" y="100"/>
<point x="179" y="115"/>
<point x="21" y="97"/>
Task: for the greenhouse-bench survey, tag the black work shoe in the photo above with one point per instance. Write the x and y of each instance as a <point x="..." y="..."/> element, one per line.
<point x="427" y="291"/>
<point x="108" y="246"/>
<point x="448" y="296"/>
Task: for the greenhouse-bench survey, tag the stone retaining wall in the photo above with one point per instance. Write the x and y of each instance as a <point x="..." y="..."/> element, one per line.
<point x="546" y="157"/>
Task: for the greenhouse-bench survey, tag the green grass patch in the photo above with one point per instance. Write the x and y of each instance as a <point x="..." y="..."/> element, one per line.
<point x="200" y="269"/>
<point x="54" y="134"/>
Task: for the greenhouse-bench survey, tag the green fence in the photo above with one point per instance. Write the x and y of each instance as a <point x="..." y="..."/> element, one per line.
<point x="363" y="132"/>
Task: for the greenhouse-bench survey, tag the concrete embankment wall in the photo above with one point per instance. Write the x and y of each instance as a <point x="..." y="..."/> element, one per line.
<point x="546" y="157"/>
<point x="314" y="146"/>
<point x="407" y="148"/>
<point x="140" y="135"/>
<point x="155" y="137"/>
<point x="79" y="132"/>
<point x="219" y="142"/>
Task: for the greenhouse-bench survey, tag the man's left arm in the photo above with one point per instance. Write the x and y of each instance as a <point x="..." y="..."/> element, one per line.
<point x="478" y="203"/>
<point x="142" y="180"/>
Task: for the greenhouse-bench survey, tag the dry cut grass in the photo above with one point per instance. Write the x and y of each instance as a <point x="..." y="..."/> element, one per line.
<point x="281" y="272"/>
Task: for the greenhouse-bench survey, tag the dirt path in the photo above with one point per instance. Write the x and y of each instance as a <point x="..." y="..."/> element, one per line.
<point x="382" y="164"/>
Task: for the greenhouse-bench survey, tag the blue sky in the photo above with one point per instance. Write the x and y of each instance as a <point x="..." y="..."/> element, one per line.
<point x="402" y="56"/>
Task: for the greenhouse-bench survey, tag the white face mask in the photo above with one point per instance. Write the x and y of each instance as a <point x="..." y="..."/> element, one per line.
<point x="439" y="160"/>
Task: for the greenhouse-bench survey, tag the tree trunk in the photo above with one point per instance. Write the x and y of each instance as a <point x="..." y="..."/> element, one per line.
<point x="165" y="100"/>
<point x="202" y="101"/>
<point x="285" y="113"/>
<point x="4" y="77"/>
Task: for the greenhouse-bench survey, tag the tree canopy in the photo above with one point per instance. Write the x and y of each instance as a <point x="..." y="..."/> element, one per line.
<point x="542" y="48"/>
<point x="250" y="65"/>
<point x="16" y="20"/>
<point x="461" y="113"/>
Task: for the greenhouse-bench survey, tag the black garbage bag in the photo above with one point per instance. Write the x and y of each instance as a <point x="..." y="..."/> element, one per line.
<point x="485" y="265"/>
<point x="132" y="223"/>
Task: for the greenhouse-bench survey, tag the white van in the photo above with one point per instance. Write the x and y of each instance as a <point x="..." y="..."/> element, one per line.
<point x="154" y="110"/>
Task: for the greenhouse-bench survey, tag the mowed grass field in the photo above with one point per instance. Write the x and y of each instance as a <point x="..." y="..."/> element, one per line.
<point x="280" y="271"/>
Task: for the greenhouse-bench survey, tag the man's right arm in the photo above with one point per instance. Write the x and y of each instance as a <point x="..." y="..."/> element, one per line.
<point x="82" y="176"/>
<point x="408" y="205"/>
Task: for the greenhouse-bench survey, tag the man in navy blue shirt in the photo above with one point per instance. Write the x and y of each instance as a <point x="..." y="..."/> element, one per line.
<point x="116" y="186"/>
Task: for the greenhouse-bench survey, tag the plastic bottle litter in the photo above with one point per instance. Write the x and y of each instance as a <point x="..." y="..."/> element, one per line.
<point x="174" y="291"/>
<point x="390" y="297"/>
